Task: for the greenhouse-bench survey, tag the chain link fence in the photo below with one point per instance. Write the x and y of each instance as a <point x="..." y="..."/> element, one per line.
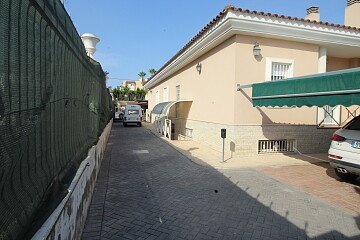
<point x="53" y="107"/>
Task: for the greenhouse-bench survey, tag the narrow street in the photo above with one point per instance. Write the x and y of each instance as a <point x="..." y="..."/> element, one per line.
<point x="147" y="189"/>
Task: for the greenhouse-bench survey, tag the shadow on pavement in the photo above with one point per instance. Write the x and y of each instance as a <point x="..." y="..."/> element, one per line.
<point x="162" y="194"/>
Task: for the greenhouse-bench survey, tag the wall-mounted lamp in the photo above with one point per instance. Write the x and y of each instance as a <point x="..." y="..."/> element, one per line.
<point x="198" y="68"/>
<point x="257" y="49"/>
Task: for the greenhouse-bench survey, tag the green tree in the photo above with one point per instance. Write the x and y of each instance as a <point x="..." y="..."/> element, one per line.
<point x="152" y="71"/>
<point x="142" y="75"/>
<point x="140" y="94"/>
<point x="144" y="93"/>
<point x="116" y="92"/>
<point x="126" y="92"/>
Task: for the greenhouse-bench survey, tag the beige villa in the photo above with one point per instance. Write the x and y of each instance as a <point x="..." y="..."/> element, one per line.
<point x="133" y="85"/>
<point x="207" y="85"/>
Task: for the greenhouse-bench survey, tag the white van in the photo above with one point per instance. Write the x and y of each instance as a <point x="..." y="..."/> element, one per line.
<point x="132" y="114"/>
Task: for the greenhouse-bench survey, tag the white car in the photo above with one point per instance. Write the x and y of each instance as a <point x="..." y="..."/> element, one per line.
<point x="119" y="115"/>
<point x="344" y="151"/>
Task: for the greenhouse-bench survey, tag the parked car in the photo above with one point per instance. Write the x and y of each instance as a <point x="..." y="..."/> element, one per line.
<point x="132" y="115"/>
<point x="344" y="151"/>
<point x="119" y="115"/>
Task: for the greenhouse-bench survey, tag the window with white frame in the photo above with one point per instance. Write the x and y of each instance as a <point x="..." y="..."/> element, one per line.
<point x="277" y="69"/>
<point x="280" y="71"/>
<point x="178" y="92"/>
<point x="165" y="94"/>
<point x="329" y="115"/>
<point x="177" y="106"/>
<point x="157" y="97"/>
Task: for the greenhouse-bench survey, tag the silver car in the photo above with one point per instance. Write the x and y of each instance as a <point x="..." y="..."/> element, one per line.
<point x="344" y="152"/>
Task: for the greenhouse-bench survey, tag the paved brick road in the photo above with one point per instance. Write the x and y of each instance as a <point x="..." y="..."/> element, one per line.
<point x="321" y="181"/>
<point x="148" y="190"/>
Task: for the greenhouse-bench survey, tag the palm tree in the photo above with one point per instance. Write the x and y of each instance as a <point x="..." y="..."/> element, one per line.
<point x="140" y="94"/>
<point x="152" y="71"/>
<point x="142" y="75"/>
<point x="143" y="93"/>
<point x="137" y="94"/>
<point x="127" y="92"/>
<point x="116" y="92"/>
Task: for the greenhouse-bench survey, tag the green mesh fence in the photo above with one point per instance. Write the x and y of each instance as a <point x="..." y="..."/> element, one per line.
<point x="53" y="107"/>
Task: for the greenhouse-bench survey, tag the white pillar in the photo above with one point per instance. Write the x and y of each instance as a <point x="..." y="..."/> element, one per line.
<point x="322" y="59"/>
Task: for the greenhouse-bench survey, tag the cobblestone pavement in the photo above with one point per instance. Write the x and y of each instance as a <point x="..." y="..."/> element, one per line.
<point x="310" y="173"/>
<point x="147" y="189"/>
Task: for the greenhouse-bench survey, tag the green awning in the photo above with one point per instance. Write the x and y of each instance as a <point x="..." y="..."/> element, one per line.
<point x="331" y="88"/>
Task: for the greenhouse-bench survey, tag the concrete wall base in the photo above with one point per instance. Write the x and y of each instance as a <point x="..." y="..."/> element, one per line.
<point x="242" y="140"/>
<point x="68" y="219"/>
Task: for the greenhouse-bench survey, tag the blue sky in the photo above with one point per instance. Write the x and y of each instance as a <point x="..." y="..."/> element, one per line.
<point x="137" y="35"/>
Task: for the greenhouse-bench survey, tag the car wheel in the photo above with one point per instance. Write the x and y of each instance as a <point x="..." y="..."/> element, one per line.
<point x="139" y="124"/>
<point x="124" y="124"/>
<point x="345" y="176"/>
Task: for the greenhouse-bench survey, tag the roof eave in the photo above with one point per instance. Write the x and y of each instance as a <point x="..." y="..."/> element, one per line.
<point x="264" y="25"/>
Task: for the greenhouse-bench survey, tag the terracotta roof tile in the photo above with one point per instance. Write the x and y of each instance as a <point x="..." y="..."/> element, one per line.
<point x="288" y="18"/>
<point x="231" y="7"/>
